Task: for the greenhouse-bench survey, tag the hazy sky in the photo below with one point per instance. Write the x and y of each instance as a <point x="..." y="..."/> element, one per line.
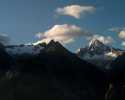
<point x="21" y="20"/>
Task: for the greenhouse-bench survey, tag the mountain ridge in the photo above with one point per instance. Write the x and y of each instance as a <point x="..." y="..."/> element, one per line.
<point x="99" y="54"/>
<point x="51" y="74"/>
<point x="56" y="73"/>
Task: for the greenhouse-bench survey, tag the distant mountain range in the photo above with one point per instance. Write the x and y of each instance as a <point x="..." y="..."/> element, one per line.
<point x="50" y="71"/>
<point x="46" y="72"/>
<point x="99" y="54"/>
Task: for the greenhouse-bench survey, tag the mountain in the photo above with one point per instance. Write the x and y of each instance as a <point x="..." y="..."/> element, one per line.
<point x="32" y="49"/>
<point x="99" y="54"/>
<point x="117" y="79"/>
<point x="98" y="47"/>
<point x="53" y="46"/>
<point x="118" y="68"/>
<point x="5" y="59"/>
<point x="24" y="49"/>
<point x="52" y="73"/>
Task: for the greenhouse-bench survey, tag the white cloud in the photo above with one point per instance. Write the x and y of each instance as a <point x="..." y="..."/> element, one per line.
<point x="103" y="39"/>
<point x="115" y="29"/>
<point x="120" y="31"/>
<point x="4" y="39"/>
<point x="63" y="33"/>
<point x="123" y="44"/>
<point x="122" y="34"/>
<point x="75" y="10"/>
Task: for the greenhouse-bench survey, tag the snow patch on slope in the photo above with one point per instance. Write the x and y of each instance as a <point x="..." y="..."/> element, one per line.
<point x="24" y="49"/>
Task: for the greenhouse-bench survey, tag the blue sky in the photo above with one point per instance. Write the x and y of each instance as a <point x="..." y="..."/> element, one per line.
<point x="22" y="19"/>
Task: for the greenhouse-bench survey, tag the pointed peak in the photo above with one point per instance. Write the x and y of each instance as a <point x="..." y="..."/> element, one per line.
<point x="95" y="42"/>
<point x="55" y="46"/>
<point x="98" y="46"/>
<point x="52" y="42"/>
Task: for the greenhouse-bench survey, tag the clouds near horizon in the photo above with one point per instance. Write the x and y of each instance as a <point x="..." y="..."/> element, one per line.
<point x="68" y="33"/>
<point x="63" y="33"/>
<point x="123" y="43"/>
<point x="75" y="11"/>
<point x="121" y="34"/>
<point x="119" y="31"/>
<point x="104" y="39"/>
<point x="4" y="39"/>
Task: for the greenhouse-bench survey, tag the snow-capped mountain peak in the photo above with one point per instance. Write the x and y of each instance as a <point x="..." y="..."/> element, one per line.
<point x="95" y="42"/>
<point x="98" y="53"/>
<point x="96" y="45"/>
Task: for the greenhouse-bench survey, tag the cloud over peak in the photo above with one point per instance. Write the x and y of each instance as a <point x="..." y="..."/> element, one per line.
<point x="123" y="43"/>
<point x="122" y="34"/>
<point x="4" y="38"/>
<point x="63" y="33"/>
<point x="75" y="10"/>
<point x="101" y="38"/>
<point x="119" y="31"/>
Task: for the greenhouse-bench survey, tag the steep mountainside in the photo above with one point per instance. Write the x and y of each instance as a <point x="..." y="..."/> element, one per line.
<point x="53" y="73"/>
<point x="117" y="79"/>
